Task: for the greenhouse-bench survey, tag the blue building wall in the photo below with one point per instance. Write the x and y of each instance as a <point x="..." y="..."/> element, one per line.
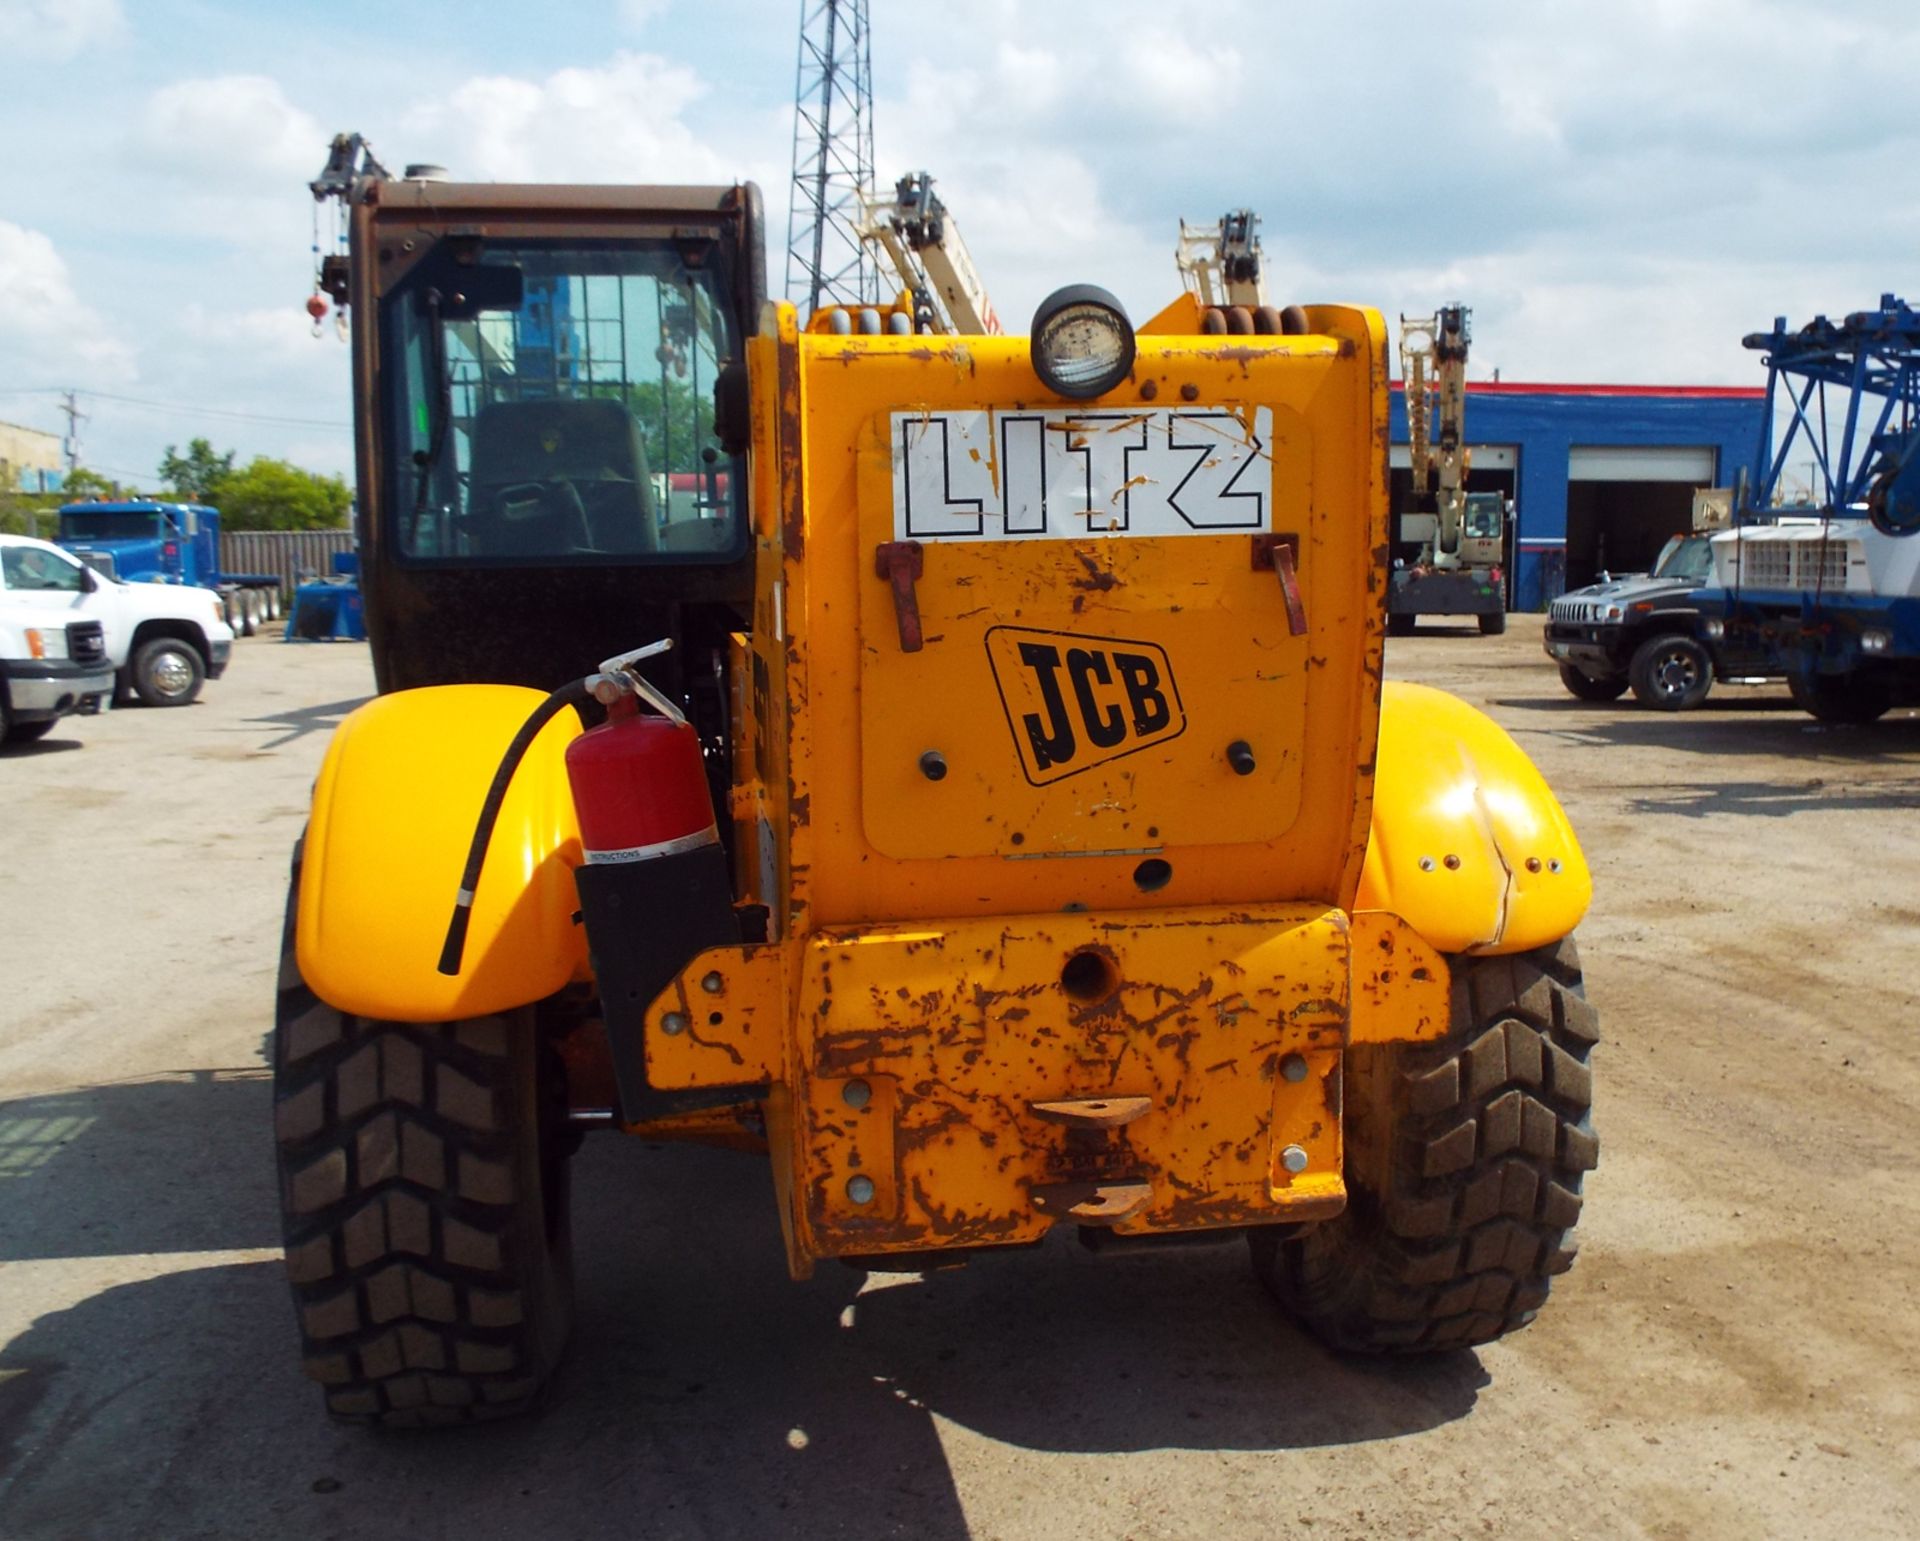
<point x="1547" y="421"/>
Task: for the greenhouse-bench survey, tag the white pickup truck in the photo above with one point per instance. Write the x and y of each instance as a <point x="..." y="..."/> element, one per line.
<point x="71" y="638"/>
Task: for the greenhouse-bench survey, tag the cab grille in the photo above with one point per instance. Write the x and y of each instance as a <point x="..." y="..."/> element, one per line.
<point x="86" y="642"/>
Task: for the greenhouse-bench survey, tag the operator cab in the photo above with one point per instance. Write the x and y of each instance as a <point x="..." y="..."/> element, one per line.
<point x="547" y="465"/>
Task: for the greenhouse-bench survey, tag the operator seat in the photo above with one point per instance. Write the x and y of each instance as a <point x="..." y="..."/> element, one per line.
<point x="559" y="477"/>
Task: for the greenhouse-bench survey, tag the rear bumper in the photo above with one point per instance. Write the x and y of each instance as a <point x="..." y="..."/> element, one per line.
<point x="38" y="691"/>
<point x="1471" y="592"/>
<point x="970" y="1084"/>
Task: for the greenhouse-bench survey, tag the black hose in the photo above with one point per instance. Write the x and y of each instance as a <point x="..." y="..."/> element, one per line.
<point x="574" y="693"/>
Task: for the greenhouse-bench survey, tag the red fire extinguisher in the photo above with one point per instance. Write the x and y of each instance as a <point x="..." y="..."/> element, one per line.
<point x="640" y="787"/>
<point x="654" y="883"/>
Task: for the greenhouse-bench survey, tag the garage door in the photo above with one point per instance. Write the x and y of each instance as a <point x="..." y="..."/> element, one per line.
<point x="1692" y="463"/>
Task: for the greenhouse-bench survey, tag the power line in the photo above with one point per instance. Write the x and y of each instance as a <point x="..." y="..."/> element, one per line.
<point x="224" y="413"/>
<point x="221" y="412"/>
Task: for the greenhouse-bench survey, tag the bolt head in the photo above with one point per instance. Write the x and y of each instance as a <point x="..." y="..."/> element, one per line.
<point x="713" y="983"/>
<point x="1426" y="864"/>
<point x="1293" y="1068"/>
<point x="856" y="1094"/>
<point x="860" y="1189"/>
<point x="674" y="1023"/>
<point x="1294" y="1159"/>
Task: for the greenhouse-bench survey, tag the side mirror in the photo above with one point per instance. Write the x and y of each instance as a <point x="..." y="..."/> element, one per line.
<point x="88" y="583"/>
<point x="732" y="414"/>
<point x="481" y="288"/>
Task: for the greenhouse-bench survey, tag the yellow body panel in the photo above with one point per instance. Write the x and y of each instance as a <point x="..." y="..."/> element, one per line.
<point x="914" y="1054"/>
<point x="1469" y="844"/>
<point x="915" y="1057"/>
<point x="393" y="812"/>
<point x="871" y="837"/>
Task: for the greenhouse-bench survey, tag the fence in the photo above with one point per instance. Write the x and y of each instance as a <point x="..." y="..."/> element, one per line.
<point x="289" y="554"/>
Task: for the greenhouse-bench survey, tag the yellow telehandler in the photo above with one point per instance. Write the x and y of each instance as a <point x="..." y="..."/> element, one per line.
<point x="956" y="769"/>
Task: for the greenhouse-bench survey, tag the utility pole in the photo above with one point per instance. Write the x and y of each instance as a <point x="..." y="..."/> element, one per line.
<point x="70" y="446"/>
<point x="827" y="262"/>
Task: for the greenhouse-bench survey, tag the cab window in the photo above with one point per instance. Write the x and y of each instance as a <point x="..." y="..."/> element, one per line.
<point x="28" y="569"/>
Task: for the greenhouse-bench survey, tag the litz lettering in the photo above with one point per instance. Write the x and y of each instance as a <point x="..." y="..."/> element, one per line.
<point x="1076" y="702"/>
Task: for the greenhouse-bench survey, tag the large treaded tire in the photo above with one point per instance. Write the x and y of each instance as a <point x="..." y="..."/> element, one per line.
<point x="1465" y="1159"/>
<point x="425" y="1217"/>
<point x="1494" y="625"/>
<point x="1842" y="700"/>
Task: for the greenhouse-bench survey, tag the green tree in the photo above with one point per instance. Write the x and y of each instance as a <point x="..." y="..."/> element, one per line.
<point x="270" y="494"/>
<point x="676" y="422"/>
<point x="196" y="475"/>
<point x="82" y="484"/>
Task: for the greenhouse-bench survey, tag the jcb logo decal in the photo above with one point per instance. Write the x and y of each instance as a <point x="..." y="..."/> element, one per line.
<point x="1075" y="702"/>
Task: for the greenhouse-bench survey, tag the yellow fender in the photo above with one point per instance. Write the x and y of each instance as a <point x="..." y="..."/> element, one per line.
<point x="1469" y="845"/>
<point x="393" y="813"/>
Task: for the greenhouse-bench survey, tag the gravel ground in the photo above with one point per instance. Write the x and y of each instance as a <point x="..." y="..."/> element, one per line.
<point x="1734" y="1355"/>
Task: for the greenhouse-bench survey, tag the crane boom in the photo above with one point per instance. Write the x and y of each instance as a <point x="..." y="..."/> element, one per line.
<point x="1221" y="263"/>
<point x="1433" y="361"/>
<point x="922" y="241"/>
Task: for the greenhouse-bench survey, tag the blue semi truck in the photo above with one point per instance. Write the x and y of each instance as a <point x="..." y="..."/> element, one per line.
<point x="143" y="540"/>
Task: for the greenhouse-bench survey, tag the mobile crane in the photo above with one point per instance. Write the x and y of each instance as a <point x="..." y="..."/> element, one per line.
<point x="1827" y="592"/>
<point x="1448" y="543"/>
<point x="923" y="243"/>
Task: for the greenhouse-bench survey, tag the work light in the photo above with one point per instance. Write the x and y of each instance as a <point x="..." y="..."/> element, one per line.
<point x="1082" y="342"/>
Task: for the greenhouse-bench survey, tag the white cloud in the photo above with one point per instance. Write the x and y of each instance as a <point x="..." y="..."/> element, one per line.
<point x="231" y="126"/>
<point x="59" y="29"/>
<point x="618" y="122"/>
<point x="46" y="331"/>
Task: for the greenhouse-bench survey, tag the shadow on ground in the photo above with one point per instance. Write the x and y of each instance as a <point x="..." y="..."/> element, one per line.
<point x="1756" y="728"/>
<point x="19" y="750"/>
<point x="301" y="721"/>
<point x="706" y="1395"/>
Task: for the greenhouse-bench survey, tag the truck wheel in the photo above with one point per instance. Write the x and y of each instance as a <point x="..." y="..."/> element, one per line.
<point x="256" y="612"/>
<point x="425" y="1208"/>
<point x="1493" y="625"/>
<point x="167" y="672"/>
<point x="1841" y="699"/>
<point x="1670" y="673"/>
<point x="1400" y="625"/>
<point x="1587" y="688"/>
<point x="273" y="604"/>
<point x="1464" y="1164"/>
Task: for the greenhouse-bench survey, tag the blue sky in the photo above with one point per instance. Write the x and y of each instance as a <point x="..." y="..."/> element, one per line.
<point x="1620" y="189"/>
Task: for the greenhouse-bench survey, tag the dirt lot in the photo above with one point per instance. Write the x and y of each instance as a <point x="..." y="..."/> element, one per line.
<point x="1735" y="1354"/>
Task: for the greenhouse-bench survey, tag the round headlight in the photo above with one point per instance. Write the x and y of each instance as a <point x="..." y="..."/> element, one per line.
<point x="1082" y="342"/>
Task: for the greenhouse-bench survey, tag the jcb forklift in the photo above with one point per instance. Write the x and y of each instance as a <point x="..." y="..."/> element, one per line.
<point x="955" y="769"/>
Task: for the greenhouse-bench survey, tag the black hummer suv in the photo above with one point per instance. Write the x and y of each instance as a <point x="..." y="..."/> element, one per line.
<point x="1643" y="630"/>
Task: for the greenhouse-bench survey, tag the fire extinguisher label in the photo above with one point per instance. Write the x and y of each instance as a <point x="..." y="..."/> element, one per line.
<point x="708" y="836"/>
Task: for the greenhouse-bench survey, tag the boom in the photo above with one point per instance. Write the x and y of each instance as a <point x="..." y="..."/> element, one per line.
<point x="923" y="243"/>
